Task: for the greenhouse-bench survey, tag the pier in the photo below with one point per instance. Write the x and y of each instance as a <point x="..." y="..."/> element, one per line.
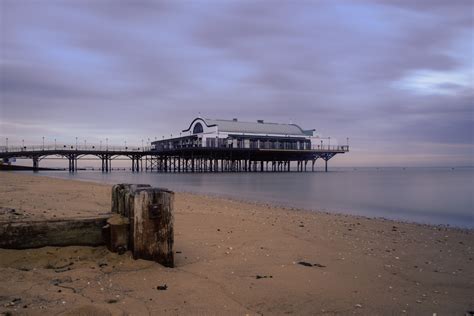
<point x="193" y="159"/>
<point x="207" y="145"/>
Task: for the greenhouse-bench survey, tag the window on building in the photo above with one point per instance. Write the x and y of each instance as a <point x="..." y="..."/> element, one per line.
<point x="198" y="128"/>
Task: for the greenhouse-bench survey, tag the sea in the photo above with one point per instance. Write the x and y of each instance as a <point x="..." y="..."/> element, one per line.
<point x="440" y="196"/>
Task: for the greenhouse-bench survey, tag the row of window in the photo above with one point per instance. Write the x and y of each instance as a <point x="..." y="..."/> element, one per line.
<point x="233" y="143"/>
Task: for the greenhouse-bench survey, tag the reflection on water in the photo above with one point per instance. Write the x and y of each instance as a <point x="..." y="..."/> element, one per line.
<point x="425" y="195"/>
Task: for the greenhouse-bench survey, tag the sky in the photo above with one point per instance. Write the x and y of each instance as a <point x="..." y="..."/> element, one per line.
<point x="396" y="77"/>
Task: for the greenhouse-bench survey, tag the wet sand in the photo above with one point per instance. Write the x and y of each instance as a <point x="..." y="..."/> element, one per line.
<point x="235" y="258"/>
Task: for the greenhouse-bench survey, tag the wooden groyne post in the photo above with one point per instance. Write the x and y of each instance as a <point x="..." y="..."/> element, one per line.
<point x="148" y="214"/>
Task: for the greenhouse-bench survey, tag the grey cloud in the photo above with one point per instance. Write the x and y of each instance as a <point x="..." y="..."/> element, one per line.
<point x="151" y="66"/>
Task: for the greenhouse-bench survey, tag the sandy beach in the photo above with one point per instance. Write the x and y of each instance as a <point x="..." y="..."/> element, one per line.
<point x="235" y="258"/>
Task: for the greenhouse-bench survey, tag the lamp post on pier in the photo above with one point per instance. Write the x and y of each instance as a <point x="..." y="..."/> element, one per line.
<point x="107" y="144"/>
<point x="100" y="146"/>
<point x="6" y="143"/>
<point x="76" y="142"/>
<point x="55" y="144"/>
<point x="43" y="143"/>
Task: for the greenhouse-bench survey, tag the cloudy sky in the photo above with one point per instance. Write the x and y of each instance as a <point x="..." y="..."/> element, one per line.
<point x="394" y="76"/>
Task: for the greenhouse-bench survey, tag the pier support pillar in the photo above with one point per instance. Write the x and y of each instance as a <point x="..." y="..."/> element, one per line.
<point x="71" y="164"/>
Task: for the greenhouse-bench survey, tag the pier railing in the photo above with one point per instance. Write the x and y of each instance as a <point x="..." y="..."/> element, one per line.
<point x="72" y="148"/>
<point x="102" y="148"/>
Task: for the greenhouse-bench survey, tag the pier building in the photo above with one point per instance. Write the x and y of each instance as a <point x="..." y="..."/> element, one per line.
<point x="214" y="133"/>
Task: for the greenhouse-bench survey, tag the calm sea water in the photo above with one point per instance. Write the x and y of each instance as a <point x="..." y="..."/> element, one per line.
<point x="424" y="195"/>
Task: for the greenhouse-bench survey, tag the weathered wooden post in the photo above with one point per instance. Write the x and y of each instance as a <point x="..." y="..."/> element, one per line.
<point x="152" y="230"/>
<point x="150" y="214"/>
<point x="116" y="233"/>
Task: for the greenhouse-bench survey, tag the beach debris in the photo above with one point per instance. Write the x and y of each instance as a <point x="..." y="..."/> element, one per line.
<point x="61" y="268"/>
<point x="263" y="277"/>
<point x="60" y="280"/>
<point x="111" y="301"/>
<point x="163" y="287"/>
<point x="13" y="302"/>
<point x="307" y="264"/>
<point x="358" y="305"/>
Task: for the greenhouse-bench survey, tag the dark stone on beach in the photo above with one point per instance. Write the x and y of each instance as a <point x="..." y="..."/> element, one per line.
<point x="162" y="287"/>
<point x="112" y="301"/>
<point x="301" y="225"/>
<point x="61" y="280"/>
<point x="62" y="268"/>
<point x="263" y="277"/>
<point x="307" y="264"/>
<point x="13" y="302"/>
<point x="178" y="252"/>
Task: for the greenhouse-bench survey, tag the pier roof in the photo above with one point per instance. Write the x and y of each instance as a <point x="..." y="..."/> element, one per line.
<point x="259" y="127"/>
